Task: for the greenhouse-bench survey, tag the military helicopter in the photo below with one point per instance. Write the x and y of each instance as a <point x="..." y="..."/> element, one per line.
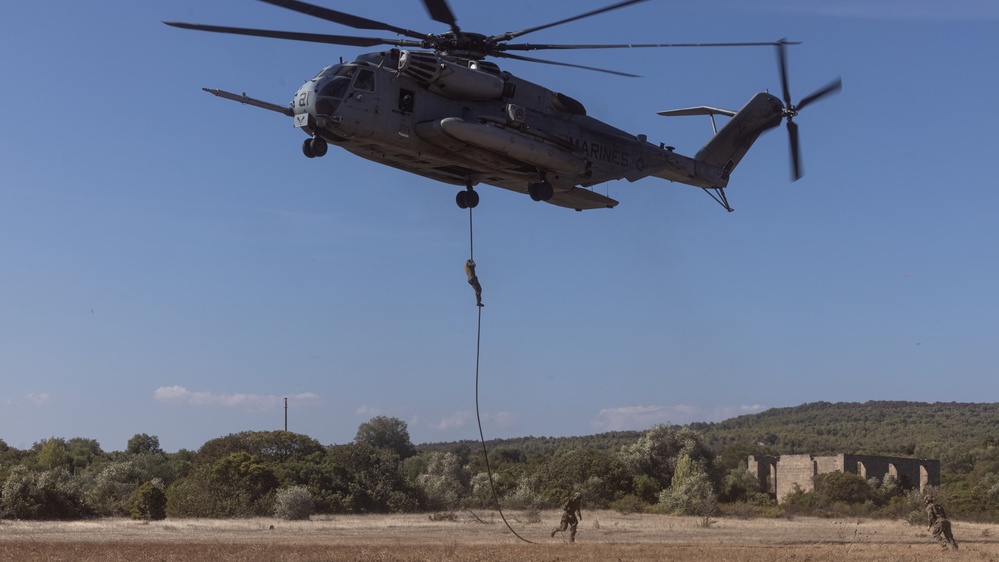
<point x="433" y="106"/>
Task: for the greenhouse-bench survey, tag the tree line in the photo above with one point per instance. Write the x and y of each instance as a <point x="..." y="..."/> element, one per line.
<point x="698" y="469"/>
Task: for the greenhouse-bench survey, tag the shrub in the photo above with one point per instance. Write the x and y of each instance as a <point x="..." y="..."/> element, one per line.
<point x="800" y="502"/>
<point x="294" y="503"/>
<point x="629" y="504"/>
<point x="149" y="503"/>
<point x="646" y="487"/>
<point x="738" y="484"/>
<point x="110" y="492"/>
<point x="52" y="494"/>
<point x="844" y="487"/>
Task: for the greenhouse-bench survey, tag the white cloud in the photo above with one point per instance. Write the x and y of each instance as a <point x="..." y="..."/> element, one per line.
<point x="365" y="410"/>
<point x="503" y="419"/>
<point x="639" y="417"/>
<point x="39" y="398"/>
<point x="456" y="420"/>
<point x="461" y="419"/>
<point x="31" y="399"/>
<point x="642" y="417"/>
<point x="253" y="402"/>
<point x="722" y="413"/>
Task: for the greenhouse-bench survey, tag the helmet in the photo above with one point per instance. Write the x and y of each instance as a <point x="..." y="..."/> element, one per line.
<point x="928" y="499"/>
<point x="577" y="495"/>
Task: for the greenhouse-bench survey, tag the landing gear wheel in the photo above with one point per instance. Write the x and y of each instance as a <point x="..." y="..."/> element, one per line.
<point x="307" y="149"/>
<point x="541" y="191"/>
<point x="319" y="146"/>
<point x="468" y="199"/>
<point x="546" y="191"/>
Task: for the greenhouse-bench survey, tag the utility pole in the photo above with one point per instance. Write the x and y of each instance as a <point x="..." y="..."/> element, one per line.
<point x="286" y="414"/>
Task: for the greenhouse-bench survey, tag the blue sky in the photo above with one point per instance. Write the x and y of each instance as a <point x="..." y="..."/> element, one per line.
<point x="171" y="264"/>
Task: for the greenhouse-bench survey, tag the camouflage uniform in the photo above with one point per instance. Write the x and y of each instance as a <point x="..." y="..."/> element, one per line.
<point x="569" y="512"/>
<point x="473" y="280"/>
<point x="939" y="524"/>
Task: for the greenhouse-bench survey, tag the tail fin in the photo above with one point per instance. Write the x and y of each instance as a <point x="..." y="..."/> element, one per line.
<point x="727" y="148"/>
<point x="729" y="145"/>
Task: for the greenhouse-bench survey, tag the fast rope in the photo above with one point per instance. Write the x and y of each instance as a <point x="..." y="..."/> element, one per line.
<point x="478" y="347"/>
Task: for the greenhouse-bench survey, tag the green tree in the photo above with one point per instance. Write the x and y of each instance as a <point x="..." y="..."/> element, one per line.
<point x="52" y="453"/>
<point x="268" y="446"/>
<point x="148" y="502"/>
<point x="386" y="433"/>
<point x="600" y="476"/>
<point x="141" y="444"/>
<point x="239" y="485"/>
<point x="657" y="452"/>
<point x="446" y="482"/>
<point x="52" y="494"/>
<point x="368" y="479"/>
<point x="109" y="491"/>
<point x="690" y="491"/>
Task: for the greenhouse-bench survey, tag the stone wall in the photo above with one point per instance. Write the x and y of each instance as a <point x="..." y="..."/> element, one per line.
<point x="780" y="475"/>
<point x="795" y="470"/>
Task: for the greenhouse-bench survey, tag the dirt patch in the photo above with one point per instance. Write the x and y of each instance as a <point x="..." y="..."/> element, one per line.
<point x="482" y="536"/>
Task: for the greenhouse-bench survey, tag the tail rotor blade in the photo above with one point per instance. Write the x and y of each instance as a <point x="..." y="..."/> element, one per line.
<point x="792" y="135"/>
<point x="830" y="88"/>
<point x="782" y="60"/>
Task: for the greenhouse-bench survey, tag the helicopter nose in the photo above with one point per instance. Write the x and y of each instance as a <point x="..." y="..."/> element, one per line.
<point x="303" y="98"/>
<point x="302" y="105"/>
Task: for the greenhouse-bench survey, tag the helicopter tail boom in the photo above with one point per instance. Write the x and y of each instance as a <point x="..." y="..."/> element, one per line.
<point x="715" y="161"/>
<point x="731" y="143"/>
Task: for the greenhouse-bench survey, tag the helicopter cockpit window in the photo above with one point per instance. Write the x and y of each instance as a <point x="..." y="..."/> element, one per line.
<point x="328" y="71"/>
<point x="335" y="88"/>
<point x="365" y="80"/>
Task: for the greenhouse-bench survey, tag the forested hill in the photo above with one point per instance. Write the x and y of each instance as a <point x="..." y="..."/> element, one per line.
<point x="546" y="446"/>
<point x="918" y="429"/>
<point x="877" y="427"/>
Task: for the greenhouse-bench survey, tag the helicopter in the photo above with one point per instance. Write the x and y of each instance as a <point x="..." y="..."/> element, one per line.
<point x="433" y="105"/>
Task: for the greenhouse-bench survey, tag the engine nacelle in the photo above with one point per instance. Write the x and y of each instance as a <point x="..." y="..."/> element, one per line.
<point x="452" y="80"/>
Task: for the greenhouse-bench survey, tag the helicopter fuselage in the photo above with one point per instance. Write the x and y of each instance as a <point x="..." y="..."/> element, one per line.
<point x="465" y="123"/>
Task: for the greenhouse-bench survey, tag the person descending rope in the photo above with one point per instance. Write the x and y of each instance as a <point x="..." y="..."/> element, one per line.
<point x="473" y="280"/>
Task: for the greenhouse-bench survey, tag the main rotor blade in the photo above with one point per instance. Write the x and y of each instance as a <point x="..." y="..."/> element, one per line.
<point x="830" y="88"/>
<point x="782" y="61"/>
<point x="297" y="36"/>
<point x="341" y="17"/>
<point x="512" y="34"/>
<point x="792" y="135"/>
<point x="542" y="61"/>
<point x="440" y="11"/>
<point x="536" y="47"/>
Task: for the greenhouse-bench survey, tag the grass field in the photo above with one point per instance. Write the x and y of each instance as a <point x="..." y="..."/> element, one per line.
<point x="480" y="536"/>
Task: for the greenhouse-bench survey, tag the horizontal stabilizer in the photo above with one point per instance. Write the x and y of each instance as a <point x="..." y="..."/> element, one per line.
<point x="700" y="110"/>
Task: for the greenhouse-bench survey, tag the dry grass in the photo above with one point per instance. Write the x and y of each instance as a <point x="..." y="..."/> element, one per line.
<point x="603" y="535"/>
